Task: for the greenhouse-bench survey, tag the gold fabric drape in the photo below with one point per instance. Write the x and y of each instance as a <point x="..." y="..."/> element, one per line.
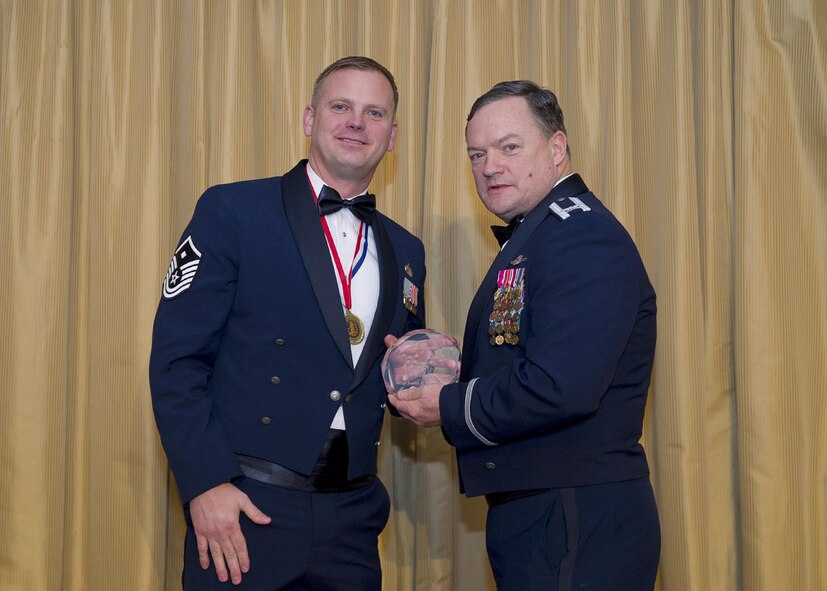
<point x="702" y="125"/>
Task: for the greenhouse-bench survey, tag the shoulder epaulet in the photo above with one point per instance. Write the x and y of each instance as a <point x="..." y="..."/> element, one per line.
<point x="562" y="211"/>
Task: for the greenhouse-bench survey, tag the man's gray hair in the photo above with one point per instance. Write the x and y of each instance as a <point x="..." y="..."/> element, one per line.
<point x="542" y="102"/>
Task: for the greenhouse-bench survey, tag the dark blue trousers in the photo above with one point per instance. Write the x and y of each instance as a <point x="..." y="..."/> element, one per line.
<point x="591" y="538"/>
<point x="315" y="542"/>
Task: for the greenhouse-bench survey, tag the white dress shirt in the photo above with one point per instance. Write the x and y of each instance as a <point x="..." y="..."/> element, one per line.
<point x="364" y="287"/>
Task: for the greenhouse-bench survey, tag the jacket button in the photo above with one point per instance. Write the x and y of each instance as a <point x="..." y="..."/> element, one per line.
<point x="490" y="465"/>
<point x="279" y="342"/>
<point x="275" y="380"/>
<point x="335" y="395"/>
<point x="266" y="420"/>
<point x="382" y="405"/>
<point x="377" y="443"/>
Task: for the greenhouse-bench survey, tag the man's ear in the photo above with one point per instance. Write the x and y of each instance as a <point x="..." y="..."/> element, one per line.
<point x="394" y="131"/>
<point x="559" y="146"/>
<point x="308" y="120"/>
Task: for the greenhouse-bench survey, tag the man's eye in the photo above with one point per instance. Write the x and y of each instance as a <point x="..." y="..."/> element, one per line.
<point x="339" y="107"/>
<point x="511" y="147"/>
<point x="474" y="156"/>
<point x="375" y="113"/>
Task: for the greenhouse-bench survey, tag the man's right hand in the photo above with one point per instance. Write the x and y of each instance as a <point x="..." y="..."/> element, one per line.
<point x="215" y="518"/>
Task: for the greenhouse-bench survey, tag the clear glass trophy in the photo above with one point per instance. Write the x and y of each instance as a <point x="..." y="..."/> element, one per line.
<point x="420" y="357"/>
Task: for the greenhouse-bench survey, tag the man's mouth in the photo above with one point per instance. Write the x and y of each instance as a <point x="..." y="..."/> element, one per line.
<point x="350" y="140"/>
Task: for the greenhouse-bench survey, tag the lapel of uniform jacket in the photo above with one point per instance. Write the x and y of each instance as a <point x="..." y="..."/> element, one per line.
<point x="570" y="187"/>
<point x="303" y="217"/>
<point x="385" y="307"/>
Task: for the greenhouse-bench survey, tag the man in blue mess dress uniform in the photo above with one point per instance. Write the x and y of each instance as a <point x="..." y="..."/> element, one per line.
<point x="266" y="348"/>
<point x="557" y="359"/>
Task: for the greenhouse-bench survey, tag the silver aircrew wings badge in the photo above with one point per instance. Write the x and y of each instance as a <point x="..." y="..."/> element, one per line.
<point x="509" y="300"/>
<point x="182" y="269"/>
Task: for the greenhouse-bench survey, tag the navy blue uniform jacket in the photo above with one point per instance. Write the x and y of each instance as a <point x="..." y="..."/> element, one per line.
<point x="246" y="359"/>
<point x="564" y="406"/>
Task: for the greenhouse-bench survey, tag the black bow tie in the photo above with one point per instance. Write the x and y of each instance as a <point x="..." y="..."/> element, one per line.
<point x="362" y="206"/>
<point x="503" y="233"/>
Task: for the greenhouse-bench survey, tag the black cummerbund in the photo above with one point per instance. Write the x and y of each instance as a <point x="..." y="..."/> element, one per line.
<point x="329" y="474"/>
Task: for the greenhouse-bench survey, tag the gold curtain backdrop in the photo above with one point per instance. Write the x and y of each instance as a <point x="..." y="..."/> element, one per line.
<point x="701" y="124"/>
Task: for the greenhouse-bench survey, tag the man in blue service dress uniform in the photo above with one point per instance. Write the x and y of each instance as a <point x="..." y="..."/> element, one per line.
<point x="557" y="357"/>
<point x="266" y="348"/>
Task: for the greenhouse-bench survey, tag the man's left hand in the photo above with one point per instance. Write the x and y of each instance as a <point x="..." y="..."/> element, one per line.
<point x="419" y="405"/>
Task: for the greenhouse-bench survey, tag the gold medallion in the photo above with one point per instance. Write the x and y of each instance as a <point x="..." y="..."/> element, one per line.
<point x="355" y="328"/>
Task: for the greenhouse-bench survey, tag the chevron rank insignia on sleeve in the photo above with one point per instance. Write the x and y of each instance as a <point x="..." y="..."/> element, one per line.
<point x="182" y="269"/>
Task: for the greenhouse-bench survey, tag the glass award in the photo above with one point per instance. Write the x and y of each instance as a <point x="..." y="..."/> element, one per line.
<point x="420" y="357"/>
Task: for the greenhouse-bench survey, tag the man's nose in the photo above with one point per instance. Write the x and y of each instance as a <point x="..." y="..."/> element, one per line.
<point x="356" y="120"/>
<point x="493" y="165"/>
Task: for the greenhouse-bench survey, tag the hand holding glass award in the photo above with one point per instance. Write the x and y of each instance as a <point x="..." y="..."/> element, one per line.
<point x="421" y="357"/>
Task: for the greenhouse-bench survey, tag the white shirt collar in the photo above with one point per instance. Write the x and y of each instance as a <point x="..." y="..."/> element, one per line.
<point x="317" y="183"/>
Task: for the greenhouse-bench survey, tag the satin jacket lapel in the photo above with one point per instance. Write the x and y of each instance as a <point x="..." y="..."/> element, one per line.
<point x="570" y="187"/>
<point x="303" y="218"/>
<point x="385" y="307"/>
